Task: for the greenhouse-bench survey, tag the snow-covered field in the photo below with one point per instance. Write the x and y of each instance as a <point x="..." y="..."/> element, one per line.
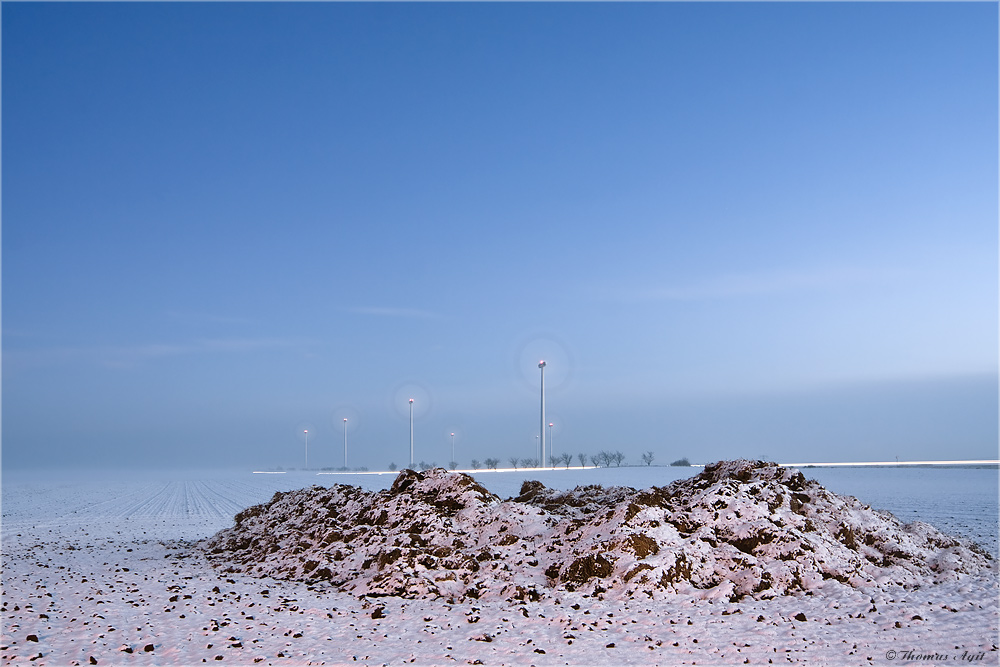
<point x="103" y="570"/>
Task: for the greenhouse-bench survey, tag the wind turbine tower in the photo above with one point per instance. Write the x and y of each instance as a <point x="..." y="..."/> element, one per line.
<point x="541" y="423"/>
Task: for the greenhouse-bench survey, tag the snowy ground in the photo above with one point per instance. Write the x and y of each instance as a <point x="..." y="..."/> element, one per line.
<point x="101" y="570"/>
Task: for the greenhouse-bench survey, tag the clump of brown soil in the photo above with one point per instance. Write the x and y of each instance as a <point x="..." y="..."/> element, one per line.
<point x="738" y="529"/>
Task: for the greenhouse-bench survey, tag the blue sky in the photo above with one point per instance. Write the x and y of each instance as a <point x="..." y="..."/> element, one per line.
<point x="730" y="229"/>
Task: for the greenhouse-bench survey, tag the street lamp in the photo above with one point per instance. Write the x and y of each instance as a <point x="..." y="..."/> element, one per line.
<point x="345" y="442"/>
<point x="411" y="433"/>
<point x="552" y="451"/>
<point x="452" y="447"/>
<point x="541" y="423"/>
<point x="306" y="431"/>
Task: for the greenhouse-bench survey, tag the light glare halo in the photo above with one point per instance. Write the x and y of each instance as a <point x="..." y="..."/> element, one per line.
<point x="533" y="350"/>
<point x="351" y="414"/>
<point x="400" y="397"/>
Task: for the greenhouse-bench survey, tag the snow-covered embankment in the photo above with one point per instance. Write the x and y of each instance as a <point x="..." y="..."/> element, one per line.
<point x="740" y="529"/>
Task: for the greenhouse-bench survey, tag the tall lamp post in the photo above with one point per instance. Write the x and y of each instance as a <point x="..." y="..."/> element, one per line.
<point x="411" y="433"/>
<point x="453" y="448"/>
<point x="345" y="442"/>
<point x="541" y="423"/>
<point x="552" y="451"/>
<point x="306" y="431"/>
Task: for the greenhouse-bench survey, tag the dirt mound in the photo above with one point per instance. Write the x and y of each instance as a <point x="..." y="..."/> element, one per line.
<point x="738" y="529"/>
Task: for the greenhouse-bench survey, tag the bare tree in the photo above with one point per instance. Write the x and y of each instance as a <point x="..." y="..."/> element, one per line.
<point x="392" y="467"/>
<point x="492" y="463"/>
<point x="647" y="458"/>
<point x="606" y="458"/>
<point x="583" y="459"/>
<point x="567" y="458"/>
<point x="476" y="464"/>
<point x="514" y="461"/>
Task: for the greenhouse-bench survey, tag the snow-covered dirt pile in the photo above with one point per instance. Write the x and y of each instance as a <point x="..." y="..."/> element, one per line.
<point x="739" y="529"/>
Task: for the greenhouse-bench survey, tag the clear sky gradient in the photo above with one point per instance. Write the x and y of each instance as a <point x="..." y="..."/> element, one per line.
<point x="732" y="230"/>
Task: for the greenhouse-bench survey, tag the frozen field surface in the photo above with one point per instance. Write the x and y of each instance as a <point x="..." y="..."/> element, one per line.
<point x="103" y="570"/>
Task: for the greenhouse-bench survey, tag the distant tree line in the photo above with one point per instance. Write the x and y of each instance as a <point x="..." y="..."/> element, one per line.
<point x="603" y="459"/>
